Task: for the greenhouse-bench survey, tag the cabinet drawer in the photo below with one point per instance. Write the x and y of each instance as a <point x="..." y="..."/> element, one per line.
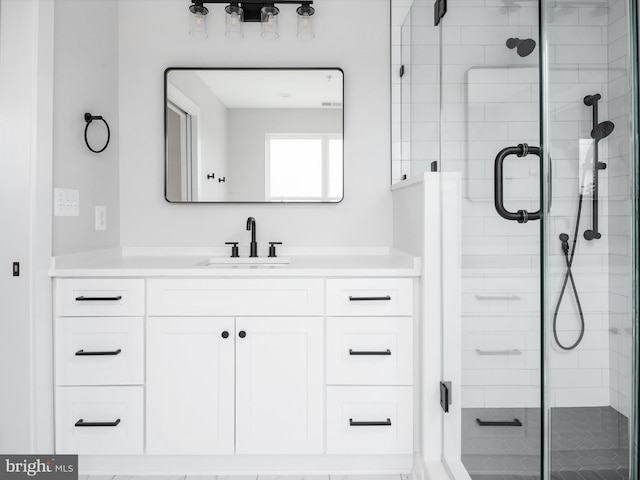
<point x="370" y="296"/>
<point x="117" y="411"/>
<point x="95" y="297"/>
<point x="369" y="420"/>
<point x="236" y="297"/>
<point x="369" y="351"/>
<point x="99" y="351"/>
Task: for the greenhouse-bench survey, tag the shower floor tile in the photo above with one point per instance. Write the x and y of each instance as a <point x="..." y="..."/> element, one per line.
<point x="587" y="443"/>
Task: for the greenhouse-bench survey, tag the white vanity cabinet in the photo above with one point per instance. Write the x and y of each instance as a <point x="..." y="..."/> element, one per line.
<point x="99" y="365"/>
<point x="369" y="361"/>
<point x="272" y="365"/>
<point x="184" y="369"/>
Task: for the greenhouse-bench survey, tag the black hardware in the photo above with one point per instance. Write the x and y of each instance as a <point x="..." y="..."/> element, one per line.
<point x="213" y="175"/>
<point x="242" y="334"/>
<point x="251" y="8"/>
<point x="523" y="47"/>
<point x="82" y="423"/>
<point x="222" y="179"/>
<point x="386" y="423"/>
<point x="383" y="352"/>
<point x="401" y="71"/>
<point x="434" y="166"/>
<point x="98" y="299"/>
<point x="16" y="269"/>
<point x="521" y="216"/>
<point x="234" y="249"/>
<point x="514" y="423"/>
<point x="404" y="177"/>
<point x="82" y="353"/>
<point x="445" y="396"/>
<point x="90" y="118"/>
<point x="251" y="225"/>
<point x="272" y="248"/>
<point x="599" y="131"/>
<point x="439" y="10"/>
<point x="225" y="334"/>
<point x="366" y="299"/>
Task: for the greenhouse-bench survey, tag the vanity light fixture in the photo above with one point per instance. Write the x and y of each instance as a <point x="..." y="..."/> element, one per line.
<point x="237" y="13"/>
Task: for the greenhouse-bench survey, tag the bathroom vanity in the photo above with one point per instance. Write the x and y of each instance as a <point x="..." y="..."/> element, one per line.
<point x="300" y="368"/>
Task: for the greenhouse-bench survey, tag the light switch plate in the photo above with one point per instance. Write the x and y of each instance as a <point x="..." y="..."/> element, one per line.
<point x="66" y="202"/>
<point x="101" y="217"/>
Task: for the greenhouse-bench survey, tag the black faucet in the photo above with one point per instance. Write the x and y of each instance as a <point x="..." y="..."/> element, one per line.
<point x="251" y="225"/>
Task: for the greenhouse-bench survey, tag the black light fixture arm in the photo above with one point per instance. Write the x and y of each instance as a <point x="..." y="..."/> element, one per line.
<point x="252" y="8"/>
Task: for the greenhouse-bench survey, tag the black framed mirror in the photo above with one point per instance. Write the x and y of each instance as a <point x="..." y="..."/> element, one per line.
<point x="254" y="135"/>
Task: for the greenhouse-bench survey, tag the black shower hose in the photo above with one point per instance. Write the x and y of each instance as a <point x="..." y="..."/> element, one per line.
<point x="569" y="276"/>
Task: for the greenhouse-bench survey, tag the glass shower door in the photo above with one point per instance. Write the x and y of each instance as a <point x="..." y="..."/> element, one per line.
<point x="491" y="327"/>
<point x="589" y="246"/>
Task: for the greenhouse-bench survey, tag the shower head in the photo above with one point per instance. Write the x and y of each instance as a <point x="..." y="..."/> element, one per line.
<point x="523" y="47"/>
<point x="589" y="100"/>
<point x="602" y="130"/>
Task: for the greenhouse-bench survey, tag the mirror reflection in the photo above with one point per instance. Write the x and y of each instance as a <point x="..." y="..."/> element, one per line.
<point x="253" y="135"/>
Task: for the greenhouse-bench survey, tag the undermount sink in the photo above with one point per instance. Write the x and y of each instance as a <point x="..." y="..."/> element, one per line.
<point x="248" y="261"/>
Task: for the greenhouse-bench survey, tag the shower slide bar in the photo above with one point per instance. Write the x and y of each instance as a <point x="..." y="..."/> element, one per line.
<point x="599" y="131"/>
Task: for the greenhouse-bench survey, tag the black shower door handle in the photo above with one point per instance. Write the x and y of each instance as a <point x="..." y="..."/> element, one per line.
<point x="521" y="216"/>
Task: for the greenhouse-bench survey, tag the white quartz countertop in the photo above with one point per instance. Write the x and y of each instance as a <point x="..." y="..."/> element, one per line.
<point x="392" y="264"/>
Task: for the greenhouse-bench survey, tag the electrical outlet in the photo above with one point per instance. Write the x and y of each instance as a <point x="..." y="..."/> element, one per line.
<point x="66" y="202"/>
<point x="101" y="217"/>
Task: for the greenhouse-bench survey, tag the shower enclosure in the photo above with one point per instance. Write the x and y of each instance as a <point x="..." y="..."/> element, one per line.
<point x="533" y="105"/>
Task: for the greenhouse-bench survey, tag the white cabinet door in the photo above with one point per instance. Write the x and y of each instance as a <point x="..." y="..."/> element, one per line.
<point x="279" y="385"/>
<point x="190" y="385"/>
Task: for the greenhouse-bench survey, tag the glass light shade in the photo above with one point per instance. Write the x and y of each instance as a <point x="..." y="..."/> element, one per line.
<point x="269" y="22"/>
<point x="305" y="27"/>
<point x="198" y="22"/>
<point x="233" y="22"/>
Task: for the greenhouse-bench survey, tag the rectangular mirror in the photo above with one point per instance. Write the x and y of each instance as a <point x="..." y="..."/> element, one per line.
<point x="253" y="135"/>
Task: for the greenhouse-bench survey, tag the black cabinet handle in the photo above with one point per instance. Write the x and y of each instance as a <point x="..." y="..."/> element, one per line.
<point x="242" y="334"/>
<point x="366" y="299"/>
<point x="383" y="352"/>
<point x="369" y="424"/>
<point x="98" y="299"/>
<point x="82" y="423"/>
<point x="521" y="216"/>
<point x="82" y="353"/>
<point x="514" y="423"/>
<point x="225" y="334"/>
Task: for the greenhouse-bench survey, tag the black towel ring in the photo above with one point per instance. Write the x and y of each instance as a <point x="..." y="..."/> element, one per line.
<point x="90" y="118"/>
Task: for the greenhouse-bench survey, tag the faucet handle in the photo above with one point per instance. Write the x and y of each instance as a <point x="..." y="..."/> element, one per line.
<point x="234" y="249"/>
<point x="272" y="248"/>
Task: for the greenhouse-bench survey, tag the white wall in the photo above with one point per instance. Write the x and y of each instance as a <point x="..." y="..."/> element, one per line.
<point x="247" y="130"/>
<point x="86" y="80"/>
<point x="151" y="43"/>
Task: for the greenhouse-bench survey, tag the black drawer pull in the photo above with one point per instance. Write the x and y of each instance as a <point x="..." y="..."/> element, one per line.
<point x="367" y="299"/>
<point x="98" y="299"/>
<point x="514" y="423"/>
<point x="82" y="353"/>
<point x="369" y="424"/>
<point x="82" y="423"/>
<point x="355" y="352"/>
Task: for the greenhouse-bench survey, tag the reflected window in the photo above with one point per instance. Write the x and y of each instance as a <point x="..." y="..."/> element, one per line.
<point x="304" y="167"/>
